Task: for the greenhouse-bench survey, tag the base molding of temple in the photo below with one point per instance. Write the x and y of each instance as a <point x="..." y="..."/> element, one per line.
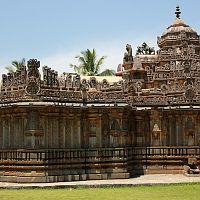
<point x="58" y="165"/>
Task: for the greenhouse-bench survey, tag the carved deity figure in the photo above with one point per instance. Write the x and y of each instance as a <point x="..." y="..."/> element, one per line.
<point x="145" y="49"/>
<point x="128" y="57"/>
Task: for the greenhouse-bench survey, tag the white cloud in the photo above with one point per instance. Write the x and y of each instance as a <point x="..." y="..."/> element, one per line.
<point x="60" y="61"/>
<point x="114" y="50"/>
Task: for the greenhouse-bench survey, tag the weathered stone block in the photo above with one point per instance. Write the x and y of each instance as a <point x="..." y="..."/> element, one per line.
<point x="83" y="177"/>
<point x="75" y="177"/>
<point x="119" y="175"/>
<point x="94" y="176"/>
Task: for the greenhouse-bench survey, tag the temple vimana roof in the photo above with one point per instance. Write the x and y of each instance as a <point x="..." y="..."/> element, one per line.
<point x="166" y="77"/>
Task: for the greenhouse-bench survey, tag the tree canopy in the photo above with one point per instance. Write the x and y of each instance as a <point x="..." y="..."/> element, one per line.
<point x="16" y="65"/>
<point x="89" y="64"/>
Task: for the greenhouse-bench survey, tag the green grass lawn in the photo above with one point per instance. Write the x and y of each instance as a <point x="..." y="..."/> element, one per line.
<point x="163" y="192"/>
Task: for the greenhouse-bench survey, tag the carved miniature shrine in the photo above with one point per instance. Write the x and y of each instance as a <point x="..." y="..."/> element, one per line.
<point x="68" y="127"/>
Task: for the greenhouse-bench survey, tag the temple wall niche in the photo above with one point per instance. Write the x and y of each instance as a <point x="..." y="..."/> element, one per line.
<point x="93" y="135"/>
<point x="117" y="129"/>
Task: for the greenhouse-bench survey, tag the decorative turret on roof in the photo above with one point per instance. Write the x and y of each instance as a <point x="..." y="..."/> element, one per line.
<point x="177" y="32"/>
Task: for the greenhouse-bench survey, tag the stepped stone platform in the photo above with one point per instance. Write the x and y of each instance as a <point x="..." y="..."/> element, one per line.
<point x="151" y="179"/>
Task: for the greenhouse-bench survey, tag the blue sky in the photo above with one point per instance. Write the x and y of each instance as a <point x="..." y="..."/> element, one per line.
<point x="55" y="31"/>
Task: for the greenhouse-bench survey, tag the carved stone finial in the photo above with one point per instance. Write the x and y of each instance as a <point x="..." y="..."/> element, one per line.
<point x="145" y="49"/>
<point x="178" y="12"/>
<point x="128" y="57"/>
<point x="33" y="77"/>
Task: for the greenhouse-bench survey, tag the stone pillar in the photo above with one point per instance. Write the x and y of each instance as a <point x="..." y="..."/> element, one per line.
<point x="196" y="129"/>
<point x="84" y="129"/>
<point x="147" y="132"/>
<point x="68" y="132"/>
<point x="55" y="132"/>
<point x="16" y="131"/>
<point x="42" y="124"/>
<point x="139" y="136"/>
<point x="1" y="133"/>
<point x="49" y="132"/>
<point x="5" y="133"/>
<point x="62" y="132"/>
<point x="184" y="133"/>
<point x="78" y="133"/>
<point x="105" y="130"/>
<point x="76" y="137"/>
<point x="179" y="137"/>
<point x="170" y="130"/>
<point x="12" y="130"/>
<point x="21" y="130"/>
<point x="99" y="130"/>
<point x="46" y="132"/>
<point x="152" y="122"/>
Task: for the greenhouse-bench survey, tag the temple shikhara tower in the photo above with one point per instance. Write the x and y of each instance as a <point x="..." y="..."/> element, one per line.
<point x="146" y="119"/>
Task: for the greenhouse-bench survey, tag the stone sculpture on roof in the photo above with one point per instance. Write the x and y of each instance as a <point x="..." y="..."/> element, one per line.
<point x="145" y="49"/>
<point x="128" y="56"/>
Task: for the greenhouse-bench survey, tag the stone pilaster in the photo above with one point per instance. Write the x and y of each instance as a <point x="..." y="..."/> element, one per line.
<point x="46" y="132"/>
<point x="76" y="137"/>
<point x="55" y="133"/>
<point x="179" y="138"/>
<point x="49" y="132"/>
<point x="99" y="131"/>
<point x="171" y="132"/>
<point x="61" y="133"/>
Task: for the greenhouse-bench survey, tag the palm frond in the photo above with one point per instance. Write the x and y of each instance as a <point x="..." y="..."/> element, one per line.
<point x="88" y="63"/>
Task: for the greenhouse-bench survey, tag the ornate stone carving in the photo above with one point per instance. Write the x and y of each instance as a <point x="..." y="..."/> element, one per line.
<point x="190" y="93"/>
<point x="93" y="82"/>
<point x="105" y="84"/>
<point x="84" y="84"/>
<point x="145" y="49"/>
<point x="171" y="77"/>
<point x="33" y="77"/>
<point x="50" y="77"/>
<point x="128" y="57"/>
<point x="76" y="82"/>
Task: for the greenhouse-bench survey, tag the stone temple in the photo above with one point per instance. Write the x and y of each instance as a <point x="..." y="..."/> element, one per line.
<point x="144" y="120"/>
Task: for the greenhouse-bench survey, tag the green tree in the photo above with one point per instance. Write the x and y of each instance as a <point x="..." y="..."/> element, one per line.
<point x="88" y="63"/>
<point x="16" y="65"/>
<point x="107" y="72"/>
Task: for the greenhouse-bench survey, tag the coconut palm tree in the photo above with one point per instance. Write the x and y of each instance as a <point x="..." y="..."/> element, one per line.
<point x="88" y="63"/>
<point x="16" y="65"/>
